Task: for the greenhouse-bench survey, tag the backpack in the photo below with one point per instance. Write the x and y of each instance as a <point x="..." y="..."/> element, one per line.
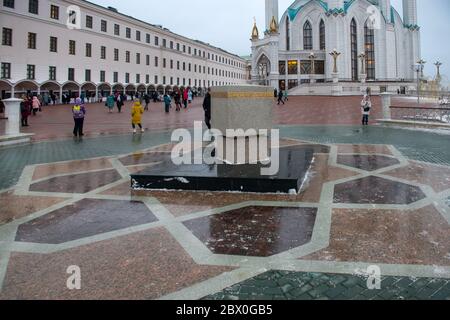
<point x="77" y="112"/>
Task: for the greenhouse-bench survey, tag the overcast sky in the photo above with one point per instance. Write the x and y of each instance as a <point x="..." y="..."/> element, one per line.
<point x="227" y="24"/>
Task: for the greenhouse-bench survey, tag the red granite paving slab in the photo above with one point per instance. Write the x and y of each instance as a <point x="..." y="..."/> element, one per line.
<point x="437" y="177"/>
<point x="15" y="207"/>
<point x="143" y="265"/>
<point x="255" y="231"/>
<point x="419" y="237"/>
<point x="366" y="162"/>
<point x="77" y="183"/>
<point x="51" y="169"/>
<point x="364" y="148"/>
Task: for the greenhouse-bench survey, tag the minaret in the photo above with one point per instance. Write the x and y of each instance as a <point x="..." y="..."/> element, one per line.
<point x="271" y="13"/>
<point x="410" y="12"/>
<point x="385" y="8"/>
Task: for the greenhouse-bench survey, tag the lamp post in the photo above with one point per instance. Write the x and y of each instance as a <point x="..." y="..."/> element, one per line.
<point x="438" y="65"/>
<point x="362" y="57"/>
<point x="335" y="54"/>
<point x="312" y="57"/>
<point x="422" y="63"/>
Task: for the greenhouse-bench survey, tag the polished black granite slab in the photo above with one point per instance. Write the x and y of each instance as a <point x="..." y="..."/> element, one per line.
<point x="294" y="165"/>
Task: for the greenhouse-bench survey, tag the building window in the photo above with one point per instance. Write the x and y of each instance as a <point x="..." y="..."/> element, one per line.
<point x="115" y="77"/>
<point x="164" y="80"/>
<point x="171" y="64"/>
<point x="53" y="44"/>
<point x="292" y="67"/>
<point x="138" y="58"/>
<point x="54" y="12"/>
<point x="52" y="73"/>
<point x="184" y="66"/>
<point x="189" y="50"/>
<point x="305" y="67"/>
<point x="8" y="3"/>
<point x="322" y="35"/>
<point x="147" y="38"/>
<point x="307" y="36"/>
<point x="128" y="33"/>
<point x="87" y="75"/>
<point x="369" y="37"/>
<point x="164" y="44"/>
<point x="288" y="37"/>
<point x="156" y="61"/>
<point x="89" y="22"/>
<point x="31" y="40"/>
<point x="103" y="52"/>
<point x="102" y="76"/>
<point x="71" y="74"/>
<point x="127" y="56"/>
<point x="33" y="6"/>
<point x="7" y="37"/>
<point x="319" y="66"/>
<point x="147" y="78"/>
<point x="138" y="35"/>
<point x="282" y="67"/>
<point x="72" y="47"/>
<point x="178" y="65"/>
<point x="354" y="49"/>
<point x="104" y="26"/>
<point x="116" y="29"/>
<point x="88" y="50"/>
<point x="171" y="44"/>
<point x="156" y="41"/>
<point x="147" y="59"/>
<point x="138" y="78"/>
<point x="156" y="79"/>
<point x="116" y="54"/>
<point x="127" y="77"/>
<point x="6" y="70"/>
<point x="31" y="71"/>
<point x="184" y="48"/>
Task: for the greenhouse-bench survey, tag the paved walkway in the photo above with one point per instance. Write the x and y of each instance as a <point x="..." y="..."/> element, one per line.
<point x="55" y="122"/>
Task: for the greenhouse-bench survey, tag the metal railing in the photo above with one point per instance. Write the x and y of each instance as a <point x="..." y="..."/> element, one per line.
<point x="436" y="115"/>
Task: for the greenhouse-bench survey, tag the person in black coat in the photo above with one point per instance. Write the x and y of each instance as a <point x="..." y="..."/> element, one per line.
<point x="280" y="97"/>
<point x="207" y="108"/>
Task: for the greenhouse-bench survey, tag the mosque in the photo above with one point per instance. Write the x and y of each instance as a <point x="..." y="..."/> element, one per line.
<point x="337" y="47"/>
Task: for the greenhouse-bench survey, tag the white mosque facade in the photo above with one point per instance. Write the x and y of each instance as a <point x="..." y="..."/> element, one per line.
<point x="375" y="47"/>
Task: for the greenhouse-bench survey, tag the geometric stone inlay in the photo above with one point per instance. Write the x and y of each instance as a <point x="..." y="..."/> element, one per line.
<point x="77" y="183"/>
<point x="254" y="230"/>
<point x="83" y="219"/>
<point x="143" y="158"/>
<point x="374" y="190"/>
<point x="367" y="162"/>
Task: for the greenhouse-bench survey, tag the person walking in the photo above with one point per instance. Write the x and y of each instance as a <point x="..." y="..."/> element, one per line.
<point x="79" y="113"/>
<point x="190" y="96"/>
<point x="280" y="97"/>
<point x="110" y="103"/>
<point x="177" y="98"/>
<point x="119" y="101"/>
<point x="136" y="115"/>
<point x="36" y="105"/>
<point x="147" y="101"/>
<point x="185" y="98"/>
<point x="167" y="102"/>
<point x="25" y="110"/>
<point x="207" y="108"/>
<point x="286" y="95"/>
<point x="366" y="106"/>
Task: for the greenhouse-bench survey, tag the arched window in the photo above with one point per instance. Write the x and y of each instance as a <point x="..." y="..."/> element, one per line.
<point x="288" y="38"/>
<point x="322" y="35"/>
<point x="354" y="49"/>
<point x="307" y="36"/>
<point x="369" y="39"/>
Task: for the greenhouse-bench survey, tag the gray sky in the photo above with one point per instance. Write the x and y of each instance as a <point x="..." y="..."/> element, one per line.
<point x="227" y="24"/>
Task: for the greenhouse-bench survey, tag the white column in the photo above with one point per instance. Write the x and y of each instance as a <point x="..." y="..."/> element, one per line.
<point x="386" y="103"/>
<point x="12" y="112"/>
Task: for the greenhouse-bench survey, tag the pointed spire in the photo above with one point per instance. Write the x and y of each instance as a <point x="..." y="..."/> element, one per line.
<point x="255" y="32"/>
<point x="273" y="25"/>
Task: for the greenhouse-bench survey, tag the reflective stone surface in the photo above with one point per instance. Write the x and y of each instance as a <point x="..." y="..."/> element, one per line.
<point x="375" y="190"/>
<point x="367" y="162"/>
<point x="255" y="231"/>
<point x="83" y="219"/>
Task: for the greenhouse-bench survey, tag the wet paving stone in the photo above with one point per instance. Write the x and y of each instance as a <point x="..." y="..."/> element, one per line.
<point x="255" y="231"/>
<point x="367" y="162"/>
<point x="145" y="158"/>
<point x="320" y="286"/>
<point x="83" y="219"/>
<point x="77" y="183"/>
<point x="375" y="190"/>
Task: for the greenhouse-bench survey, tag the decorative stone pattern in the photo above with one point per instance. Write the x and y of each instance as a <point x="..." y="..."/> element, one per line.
<point x="85" y="218"/>
<point x="255" y="231"/>
<point x="367" y="162"/>
<point x="284" y="285"/>
<point x="374" y="190"/>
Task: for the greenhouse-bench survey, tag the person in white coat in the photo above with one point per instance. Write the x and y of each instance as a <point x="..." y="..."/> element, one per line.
<point x="366" y="106"/>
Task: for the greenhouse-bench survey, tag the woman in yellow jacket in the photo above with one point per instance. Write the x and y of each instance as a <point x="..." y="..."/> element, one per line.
<point x="136" y="115"/>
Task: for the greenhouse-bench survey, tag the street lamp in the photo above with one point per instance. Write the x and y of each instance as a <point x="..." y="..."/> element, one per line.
<point x="417" y="68"/>
<point x="312" y="57"/>
<point x="335" y="54"/>
<point x="422" y="63"/>
<point x="438" y="65"/>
